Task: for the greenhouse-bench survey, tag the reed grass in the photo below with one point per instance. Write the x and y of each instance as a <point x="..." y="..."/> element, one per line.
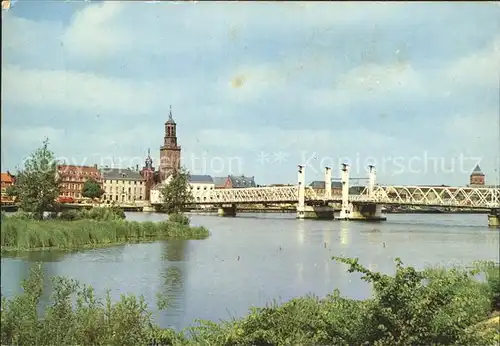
<point x="24" y="234"/>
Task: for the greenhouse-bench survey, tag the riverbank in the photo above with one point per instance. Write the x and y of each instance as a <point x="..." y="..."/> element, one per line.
<point x="89" y="230"/>
<point x="432" y="306"/>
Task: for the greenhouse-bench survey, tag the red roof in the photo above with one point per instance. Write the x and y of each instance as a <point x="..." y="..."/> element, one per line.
<point x="7" y="178"/>
<point x="77" y="169"/>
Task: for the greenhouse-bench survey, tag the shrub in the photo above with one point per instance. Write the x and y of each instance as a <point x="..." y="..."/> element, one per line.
<point x="103" y="213"/>
<point x="491" y="272"/>
<point x="91" y="322"/>
<point x="70" y="215"/>
<point x="19" y="215"/>
<point x="179" y="218"/>
<point x="428" y="307"/>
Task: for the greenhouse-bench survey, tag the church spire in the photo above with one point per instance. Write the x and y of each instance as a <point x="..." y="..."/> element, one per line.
<point x="149" y="160"/>
<point x="170" y="118"/>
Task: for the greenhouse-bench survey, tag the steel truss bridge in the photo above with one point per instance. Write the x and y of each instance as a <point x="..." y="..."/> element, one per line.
<point x="433" y="196"/>
<point x="459" y="197"/>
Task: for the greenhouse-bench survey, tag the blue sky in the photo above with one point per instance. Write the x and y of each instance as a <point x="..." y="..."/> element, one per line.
<point x="257" y="88"/>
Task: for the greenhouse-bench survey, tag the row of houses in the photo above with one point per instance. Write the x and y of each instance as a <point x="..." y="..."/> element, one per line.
<point x="123" y="185"/>
<point x="228" y="182"/>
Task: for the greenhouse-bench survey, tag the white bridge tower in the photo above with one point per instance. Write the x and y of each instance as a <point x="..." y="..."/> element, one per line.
<point x="345" y="210"/>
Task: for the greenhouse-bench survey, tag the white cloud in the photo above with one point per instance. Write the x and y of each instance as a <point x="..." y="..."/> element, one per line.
<point x="99" y="31"/>
<point x="23" y="40"/>
<point x="76" y="91"/>
<point x="370" y="83"/>
<point x="276" y="138"/>
<point x="90" y="33"/>
<point x="479" y="68"/>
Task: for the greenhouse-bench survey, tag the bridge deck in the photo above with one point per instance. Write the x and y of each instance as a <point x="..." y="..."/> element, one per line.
<point x="460" y="197"/>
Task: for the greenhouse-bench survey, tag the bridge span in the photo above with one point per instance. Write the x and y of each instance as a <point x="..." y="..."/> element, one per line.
<point x="366" y="204"/>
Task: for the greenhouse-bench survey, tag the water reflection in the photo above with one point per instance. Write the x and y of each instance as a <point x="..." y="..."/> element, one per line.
<point x="327" y="236"/>
<point x="175" y="250"/>
<point x="19" y="270"/>
<point x="344" y="233"/>
<point x="37" y="256"/>
<point x="300" y="231"/>
<point x="173" y="275"/>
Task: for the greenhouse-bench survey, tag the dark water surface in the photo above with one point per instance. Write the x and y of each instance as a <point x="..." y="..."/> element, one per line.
<point x="254" y="259"/>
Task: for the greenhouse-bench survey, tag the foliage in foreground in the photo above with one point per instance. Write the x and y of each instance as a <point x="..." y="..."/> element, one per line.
<point x="21" y="233"/>
<point x="37" y="185"/>
<point x="433" y="306"/>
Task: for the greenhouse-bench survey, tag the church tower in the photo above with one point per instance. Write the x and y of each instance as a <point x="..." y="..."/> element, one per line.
<point x="477" y="177"/>
<point x="170" y="152"/>
<point x="147" y="174"/>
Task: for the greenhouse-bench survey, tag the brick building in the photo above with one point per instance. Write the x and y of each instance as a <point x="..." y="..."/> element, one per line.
<point x="7" y="180"/>
<point x="170" y="152"/>
<point x="148" y="175"/>
<point x="234" y="182"/>
<point x="73" y="177"/>
<point x="319" y="186"/>
<point x="477" y="177"/>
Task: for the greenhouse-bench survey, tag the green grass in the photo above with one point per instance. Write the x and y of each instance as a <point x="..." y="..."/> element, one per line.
<point x="24" y="233"/>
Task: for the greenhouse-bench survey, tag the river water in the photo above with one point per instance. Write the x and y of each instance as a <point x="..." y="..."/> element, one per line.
<point x="255" y="259"/>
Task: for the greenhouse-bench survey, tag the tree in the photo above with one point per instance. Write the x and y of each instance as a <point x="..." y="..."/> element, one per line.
<point x="176" y="193"/>
<point x="92" y="189"/>
<point x="11" y="191"/>
<point x="37" y="185"/>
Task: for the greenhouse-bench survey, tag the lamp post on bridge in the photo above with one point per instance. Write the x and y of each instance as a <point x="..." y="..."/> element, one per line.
<point x="345" y="211"/>
<point x="371" y="180"/>
<point x="301" y="192"/>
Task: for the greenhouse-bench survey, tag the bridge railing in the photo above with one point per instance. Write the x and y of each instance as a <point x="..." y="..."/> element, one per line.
<point x="468" y="197"/>
<point x="402" y="195"/>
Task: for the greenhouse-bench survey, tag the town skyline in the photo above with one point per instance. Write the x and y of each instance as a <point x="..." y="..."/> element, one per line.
<point x="360" y="86"/>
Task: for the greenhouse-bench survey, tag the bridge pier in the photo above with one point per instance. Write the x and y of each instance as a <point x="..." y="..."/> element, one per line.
<point x="227" y="210"/>
<point x="360" y="211"/>
<point x="366" y="212"/>
<point x="316" y="212"/>
<point x="494" y="218"/>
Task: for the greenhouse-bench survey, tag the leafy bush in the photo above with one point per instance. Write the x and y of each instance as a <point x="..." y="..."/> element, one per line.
<point x="429" y="307"/>
<point x="103" y="213"/>
<point x="91" y="322"/>
<point x="70" y="215"/>
<point x="433" y="306"/>
<point x="19" y="215"/>
<point x="491" y="272"/>
<point x="179" y="218"/>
